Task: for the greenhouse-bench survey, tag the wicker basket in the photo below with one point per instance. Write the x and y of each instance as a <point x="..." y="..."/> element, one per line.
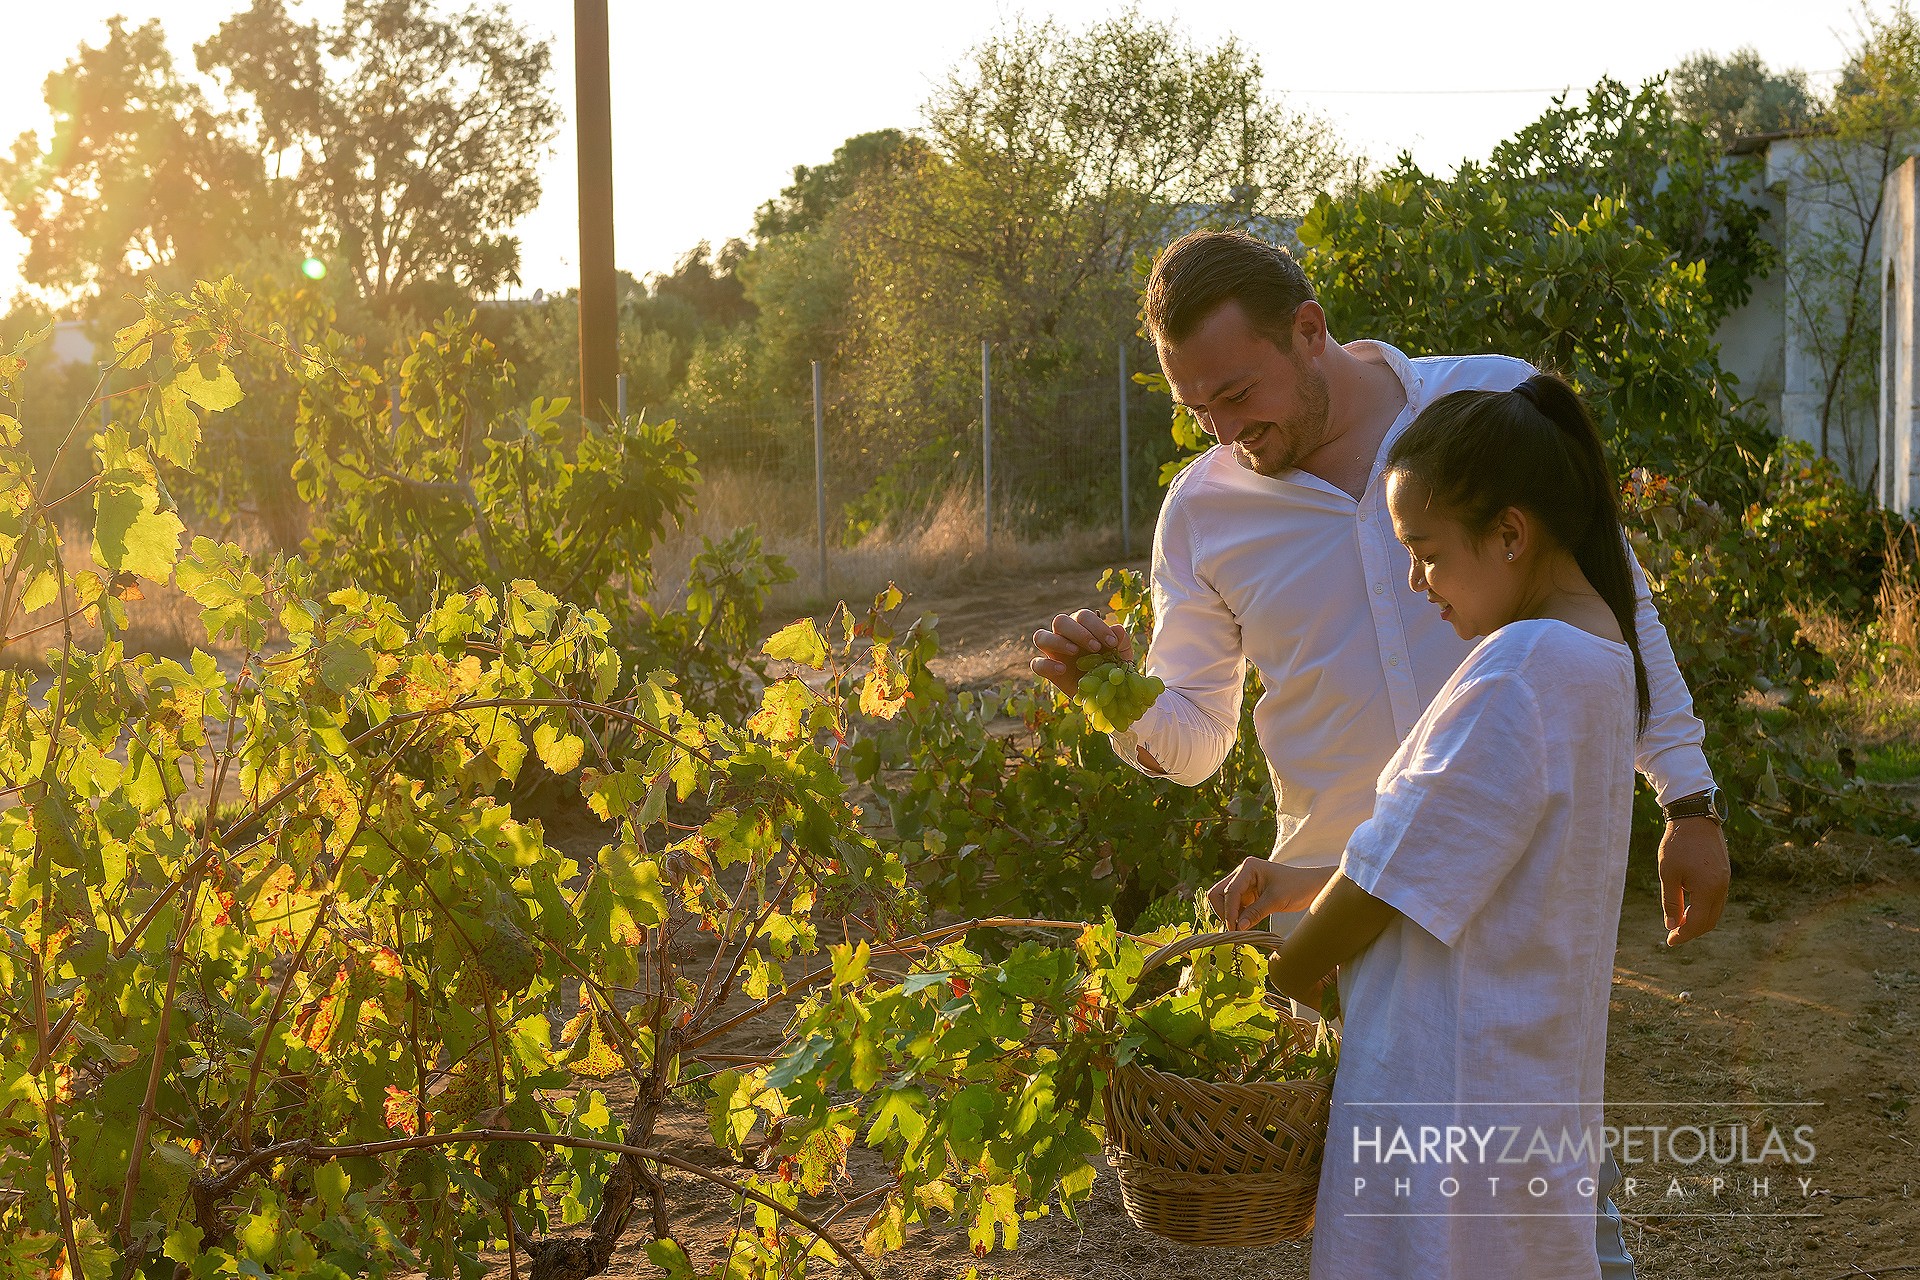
<point x="1218" y="1163"/>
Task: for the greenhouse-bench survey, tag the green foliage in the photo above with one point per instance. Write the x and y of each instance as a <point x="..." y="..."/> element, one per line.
<point x="1727" y="585"/>
<point x="1668" y="175"/>
<point x="978" y="1079"/>
<point x="658" y="333"/>
<point x="466" y="486"/>
<point x="1049" y="160"/>
<point x="281" y="966"/>
<point x="1218" y="1022"/>
<point x="139" y="173"/>
<point x="972" y="785"/>
<point x="460" y="484"/>
<point x="418" y="135"/>
<point x="399" y="143"/>
<point x="1578" y="248"/>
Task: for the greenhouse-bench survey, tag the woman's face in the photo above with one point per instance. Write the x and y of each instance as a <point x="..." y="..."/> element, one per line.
<point x="1477" y="588"/>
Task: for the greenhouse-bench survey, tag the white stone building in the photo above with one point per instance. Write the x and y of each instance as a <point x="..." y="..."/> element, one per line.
<point x="1785" y="343"/>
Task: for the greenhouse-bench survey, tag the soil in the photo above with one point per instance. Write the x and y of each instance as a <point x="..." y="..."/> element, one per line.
<point x="1801" y="1009"/>
<point x="986" y="631"/>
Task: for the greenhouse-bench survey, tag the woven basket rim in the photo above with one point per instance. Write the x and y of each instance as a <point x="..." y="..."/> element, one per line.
<point x="1212" y="1083"/>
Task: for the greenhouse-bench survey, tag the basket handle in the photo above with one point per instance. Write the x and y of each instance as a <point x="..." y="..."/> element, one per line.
<point x="1259" y="939"/>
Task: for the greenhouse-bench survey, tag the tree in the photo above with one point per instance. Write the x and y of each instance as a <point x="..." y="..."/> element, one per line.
<point x="1740" y="95"/>
<point x="1060" y="156"/>
<point x="1668" y="173"/>
<point x="1565" y="249"/>
<point x="414" y="139"/>
<point x="1052" y="160"/>
<point x="139" y="173"/>
<point x="708" y="284"/>
<point x="817" y="189"/>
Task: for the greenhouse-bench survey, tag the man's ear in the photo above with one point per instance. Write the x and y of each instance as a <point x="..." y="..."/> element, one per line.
<point x="1310" y="330"/>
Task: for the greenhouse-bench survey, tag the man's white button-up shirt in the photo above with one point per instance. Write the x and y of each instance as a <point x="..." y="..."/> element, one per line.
<point x="1292" y="574"/>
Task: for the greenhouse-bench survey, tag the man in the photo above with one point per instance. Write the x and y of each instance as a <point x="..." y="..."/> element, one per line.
<point x="1275" y="547"/>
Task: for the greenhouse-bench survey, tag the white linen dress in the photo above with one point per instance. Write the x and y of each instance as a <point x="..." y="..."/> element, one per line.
<point x="1466" y="1129"/>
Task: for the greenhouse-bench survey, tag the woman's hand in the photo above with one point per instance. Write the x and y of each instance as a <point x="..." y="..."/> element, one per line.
<point x="1258" y="888"/>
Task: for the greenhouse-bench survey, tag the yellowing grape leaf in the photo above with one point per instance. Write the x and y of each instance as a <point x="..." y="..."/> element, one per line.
<point x="783" y="711"/>
<point x="559" y="751"/>
<point x="885" y="690"/>
<point x="130" y="535"/>
<point x="221" y="391"/>
<point x="597" y="1059"/>
<point x="135" y="342"/>
<point x="798" y="642"/>
<point x="174" y="427"/>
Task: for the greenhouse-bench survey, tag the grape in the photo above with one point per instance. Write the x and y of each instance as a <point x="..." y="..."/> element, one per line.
<point x="1114" y="695"/>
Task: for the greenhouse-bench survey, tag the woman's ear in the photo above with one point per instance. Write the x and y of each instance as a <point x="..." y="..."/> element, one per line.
<point x="1513" y="533"/>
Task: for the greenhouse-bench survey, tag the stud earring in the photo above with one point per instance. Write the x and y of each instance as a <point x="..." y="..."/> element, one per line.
<point x="1509" y="555"/>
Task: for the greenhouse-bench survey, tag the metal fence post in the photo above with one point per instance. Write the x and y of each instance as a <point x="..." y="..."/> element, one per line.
<point x="986" y="441"/>
<point x="820" y="474"/>
<point x="620" y="397"/>
<point x="1126" y="525"/>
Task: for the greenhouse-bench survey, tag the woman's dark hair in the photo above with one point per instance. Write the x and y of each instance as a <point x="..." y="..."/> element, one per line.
<point x="1536" y="448"/>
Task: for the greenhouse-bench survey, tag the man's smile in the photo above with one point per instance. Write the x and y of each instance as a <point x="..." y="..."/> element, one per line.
<point x="1248" y="441"/>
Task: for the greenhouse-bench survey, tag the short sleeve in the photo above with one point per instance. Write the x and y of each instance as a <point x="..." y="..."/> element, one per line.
<point x="1455" y="817"/>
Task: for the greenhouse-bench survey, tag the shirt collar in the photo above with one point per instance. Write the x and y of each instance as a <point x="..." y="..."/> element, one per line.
<point x="1411" y="383"/>
<point x="1410" y="380"/>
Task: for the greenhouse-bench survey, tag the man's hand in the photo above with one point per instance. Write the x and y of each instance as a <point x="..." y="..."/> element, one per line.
<point x="1693" y="877"/>
<point x="1072" y="636"/>
<point x="1257" y="888"/>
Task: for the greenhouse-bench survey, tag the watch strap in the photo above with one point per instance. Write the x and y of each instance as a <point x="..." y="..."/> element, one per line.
<point x="1704" y="805"/>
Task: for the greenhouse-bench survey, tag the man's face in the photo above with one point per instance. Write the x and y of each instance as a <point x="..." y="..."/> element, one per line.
<point x="1270" y="405"/>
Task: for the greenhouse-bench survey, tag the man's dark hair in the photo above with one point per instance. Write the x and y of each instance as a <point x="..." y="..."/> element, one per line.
<point x="1203" y="270"/>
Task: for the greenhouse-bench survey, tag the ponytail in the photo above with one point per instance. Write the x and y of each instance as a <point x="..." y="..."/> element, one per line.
<point x="1536" y="448"/>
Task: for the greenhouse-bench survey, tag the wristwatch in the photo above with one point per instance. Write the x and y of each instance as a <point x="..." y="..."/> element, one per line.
<point x="1711" y="803"/>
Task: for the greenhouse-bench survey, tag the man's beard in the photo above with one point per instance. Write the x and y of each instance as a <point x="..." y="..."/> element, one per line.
<point x="1293" y="440"/>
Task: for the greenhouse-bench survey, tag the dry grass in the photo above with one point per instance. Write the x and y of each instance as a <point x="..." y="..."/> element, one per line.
<point x="939" y="548"/>
<point x="1898" y="602"/>
<point x="1887" y="658"/>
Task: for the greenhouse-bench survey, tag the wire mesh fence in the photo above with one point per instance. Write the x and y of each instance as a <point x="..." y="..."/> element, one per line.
<point x="1042" y="454"/>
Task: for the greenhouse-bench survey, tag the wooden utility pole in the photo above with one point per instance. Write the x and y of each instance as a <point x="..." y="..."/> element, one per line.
<point x="593" y="133"/>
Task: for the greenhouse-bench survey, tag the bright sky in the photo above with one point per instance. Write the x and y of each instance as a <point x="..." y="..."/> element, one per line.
<point x="715" y="103"/>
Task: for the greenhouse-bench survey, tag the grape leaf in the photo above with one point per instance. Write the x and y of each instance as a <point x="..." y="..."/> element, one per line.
<point x="799" y="642"/>
<point x="221" y="391"/>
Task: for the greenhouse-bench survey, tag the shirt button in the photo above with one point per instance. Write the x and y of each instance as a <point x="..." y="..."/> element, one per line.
<point x="1393" y="659"/>
<point x="1379" y="588"/>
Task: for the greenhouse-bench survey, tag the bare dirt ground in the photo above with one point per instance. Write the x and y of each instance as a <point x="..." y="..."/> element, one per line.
<point x="986" y="631"/>
<point x="1801" y="1009"/>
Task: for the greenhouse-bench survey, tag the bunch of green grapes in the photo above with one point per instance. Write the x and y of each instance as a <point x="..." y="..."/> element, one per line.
<point x="1112" y="694"/>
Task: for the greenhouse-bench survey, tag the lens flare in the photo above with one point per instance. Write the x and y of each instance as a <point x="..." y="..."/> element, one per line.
<point x="314" y="269"/>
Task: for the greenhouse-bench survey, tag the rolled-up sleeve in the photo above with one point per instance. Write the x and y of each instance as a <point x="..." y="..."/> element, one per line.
<point x="1672" y="752"/>
<point x="1192" y="726"/>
